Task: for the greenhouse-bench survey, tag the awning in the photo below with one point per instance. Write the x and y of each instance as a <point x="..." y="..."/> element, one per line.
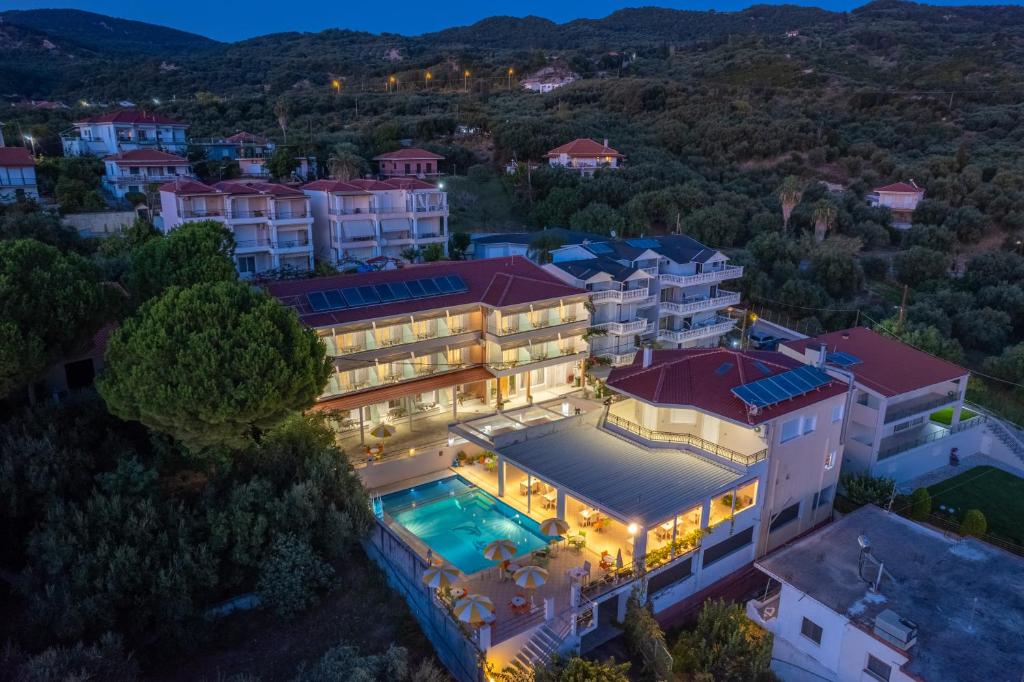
<point x="396" y="225"/>
<point x="403" y="389"/>
<point x="358" y="228"/>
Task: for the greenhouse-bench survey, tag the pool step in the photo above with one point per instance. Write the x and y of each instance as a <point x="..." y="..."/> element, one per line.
<point x="538" y="649"/>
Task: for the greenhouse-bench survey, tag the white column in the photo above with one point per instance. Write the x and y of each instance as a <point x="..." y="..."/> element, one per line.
<point x="484" y="639"/>
<point x="958" y="408"/>
<point x="501" y="475"/>
<point x="560" y="503"/>
<point x="640" y="544"/>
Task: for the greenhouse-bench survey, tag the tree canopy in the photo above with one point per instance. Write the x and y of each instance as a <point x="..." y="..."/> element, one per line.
<point x="213" y="364"/>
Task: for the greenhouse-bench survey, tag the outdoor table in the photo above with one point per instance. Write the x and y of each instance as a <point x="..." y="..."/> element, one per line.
<point x="518" y="601"/>
<point x="586" y="514"/>
<point x="458" y="592"/>
<point x="550" y="499"/>
<point x="522" y="487"/>
<point x="576" y="573"/>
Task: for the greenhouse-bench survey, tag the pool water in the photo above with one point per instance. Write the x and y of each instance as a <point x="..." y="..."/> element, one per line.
<point x="457" y="520"/>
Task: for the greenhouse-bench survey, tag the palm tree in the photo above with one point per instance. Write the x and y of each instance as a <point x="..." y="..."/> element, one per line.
<point x="343" y="164"/>
<point x="790" y="192"/>
<point x="281" y="111"/>
<point x="824" y="216"/>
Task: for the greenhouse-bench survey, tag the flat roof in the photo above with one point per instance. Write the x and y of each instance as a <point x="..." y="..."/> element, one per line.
<point x="885" y="365"/>
<point x="635" y="483"/>
<point x="966" y="597"/>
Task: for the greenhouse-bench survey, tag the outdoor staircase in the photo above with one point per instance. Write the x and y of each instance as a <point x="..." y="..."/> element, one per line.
<point x="1011" y="440"/>
<point x="538" y="649"/>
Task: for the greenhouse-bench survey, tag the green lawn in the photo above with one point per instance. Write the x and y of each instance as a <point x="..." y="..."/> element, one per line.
<point x="999" y="496"/>
<point x="945" y="415"/>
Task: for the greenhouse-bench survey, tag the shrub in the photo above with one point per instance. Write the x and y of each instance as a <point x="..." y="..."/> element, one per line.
<point x="726" y="646"/>
<point x="863" y="489"/>
<point x="645" y="638"/>
<point x="291" y="576"/>
<point x="875" y="267"/>
<point x="920" y="504"/>
<point x="974" y="523"/>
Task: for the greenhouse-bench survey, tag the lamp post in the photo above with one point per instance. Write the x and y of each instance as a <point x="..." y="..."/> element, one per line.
<point x="510" y="78"/>
<point x="426" y="77"/>
<point x="393" y="82"/>
<point x="336" y="85"/>
<point x="465" y="80"/>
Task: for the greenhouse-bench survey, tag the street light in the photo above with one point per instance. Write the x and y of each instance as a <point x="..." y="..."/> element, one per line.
<point x="427" y="77"/>
<point x="465" y="80"/>
<point x="336" y="84"/>
<point x="510" y="78"/>
<point x="392" y="81"/>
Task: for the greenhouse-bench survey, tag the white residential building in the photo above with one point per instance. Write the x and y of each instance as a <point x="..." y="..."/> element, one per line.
<point x="251" y="152"/>
<point x="272" y="223"/>
<point x="356" y="220"/>
<point x="549" y="78"/>
<point x="498" y="244"/>
<point x="585" y="156"/>
<point x="664" y="289"/>
<point x="132" y="171"/>
<point x="875" y="597"/>
<point x="908" y="410"/>
<point x="125" y="130"/>
<point x="17" y="174"/>
<point x="901" y="198"/>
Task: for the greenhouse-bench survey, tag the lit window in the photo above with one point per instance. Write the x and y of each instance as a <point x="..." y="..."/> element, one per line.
<point x="878" y="669"/>
<point x="830" y="460"/>
<point x="837" y="413"/>
<point x="811" y="630"/>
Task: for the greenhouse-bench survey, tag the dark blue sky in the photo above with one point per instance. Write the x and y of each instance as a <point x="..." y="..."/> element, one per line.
<point x="234" y="19"/>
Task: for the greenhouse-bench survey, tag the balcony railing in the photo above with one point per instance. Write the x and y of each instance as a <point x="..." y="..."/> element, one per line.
<point x="16" y="182"/>
<point x="252" y="243"/>
<point x="258" y="213"/>
<point x="142" y="178"/>
<point x="352" y="210"/>
<point x="292" y="243"/>
<point x="721" y="326"/>
<point x="623" y="328"/>
<point x="619" y="356"/>
<point x="688" y="307"/>
<point x="687" y="439"/>
<point x="726" y="272"/>
<point x="912" y="407"/>
<point x="617" y="296"/>
<point x="885" y="453"/>
<point x="289" y="215"/>
<point x="207" y="213"/>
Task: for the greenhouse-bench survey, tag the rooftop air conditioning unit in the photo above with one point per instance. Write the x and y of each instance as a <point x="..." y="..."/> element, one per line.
<point x="892" y="628"/>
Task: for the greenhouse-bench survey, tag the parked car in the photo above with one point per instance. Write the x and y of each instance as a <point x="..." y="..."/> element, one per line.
<point x="762" y="340"/>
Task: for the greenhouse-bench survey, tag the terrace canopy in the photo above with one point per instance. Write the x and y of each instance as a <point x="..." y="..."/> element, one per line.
<point x="631" y="482"/>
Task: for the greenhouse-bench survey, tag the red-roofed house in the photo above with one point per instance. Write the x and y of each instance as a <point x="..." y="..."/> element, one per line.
<point x="272" y="223"/>
<point x="124" y="130"/>
<point x="907" y="412"/>
<point x="17" y="174"/>
<point x="901" y="198"/>
<point x="409" y="162"/>
<point x="363" y="219"/>
<point x="132" y="171"/>
<point x="585" y="155"/>
<point x="251" y="152"/>
<point x="790" y="447"/>
<point x="502" y="331"/>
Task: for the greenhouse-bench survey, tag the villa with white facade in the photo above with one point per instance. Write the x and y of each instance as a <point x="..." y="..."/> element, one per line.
<point x="125" y="130"/>
<point x="652" y="288"/>
<point x="901" y="198"/>
<point x="585" y="156"/>
<point x="251" y="152"/>
<point x="356" y="220"/>
<point x="134" y="170"/>
<point x="272" y="224"/>
<point x="17" y="174"/>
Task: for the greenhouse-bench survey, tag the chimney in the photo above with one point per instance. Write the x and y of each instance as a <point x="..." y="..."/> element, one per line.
<point x="606" y="142"/>
<point x="648" y="356"/>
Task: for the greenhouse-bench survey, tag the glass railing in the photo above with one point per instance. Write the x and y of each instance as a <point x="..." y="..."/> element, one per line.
<point x="538" y="319"/>
<point x="687" y="439"/>
<point x="395" y="335"/>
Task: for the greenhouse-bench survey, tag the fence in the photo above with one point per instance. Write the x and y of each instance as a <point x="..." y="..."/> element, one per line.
<point x="404" y="568"/>
<point x="952" y="528"/>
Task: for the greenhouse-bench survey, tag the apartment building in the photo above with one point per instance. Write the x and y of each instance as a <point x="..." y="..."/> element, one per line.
<point x="134" y="170"/>
<point x="17" y="175"/>
<point x="585" y="156"/>
<point x="356" y="220"/>
<point x="518" y="243"/>
<point x="901" y="198"/>
<point x="122" y="131"/>
<point x="875" y="597"/>
<point x="908" y="411"/>
<point x="272" y="224"/>
<point x="664" y="289"/>
<point x="251" y="152"/>
<point x="408" y="162"/>
<point x="441" y="338"/>
<point x="549" y="78"/>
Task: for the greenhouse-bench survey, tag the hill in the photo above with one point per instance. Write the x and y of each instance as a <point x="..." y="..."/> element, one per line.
<point x="107" y="35"/>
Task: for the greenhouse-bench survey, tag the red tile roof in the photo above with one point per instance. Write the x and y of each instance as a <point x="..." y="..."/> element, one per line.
<point x="703" y="378"/>
<point x="413" y="153"/>
<point x="583" y="146"/>
<point x="495" y="282"/>
<point x="887" y="366"/>
<point x="11" y="157"/>
<point x="229" y="187"/>
<point x="147" y="157"/>
<point x="365" y="186"/>
<point x="901" y="187"/>
<point x="186" y="186"/>
<point x="133" y="116"/>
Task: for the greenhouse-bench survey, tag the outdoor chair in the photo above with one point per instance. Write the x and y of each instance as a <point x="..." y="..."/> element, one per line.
<point x="586" y="571"/>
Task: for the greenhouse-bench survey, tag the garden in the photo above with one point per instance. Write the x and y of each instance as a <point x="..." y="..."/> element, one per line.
<point x="999" y="495"/>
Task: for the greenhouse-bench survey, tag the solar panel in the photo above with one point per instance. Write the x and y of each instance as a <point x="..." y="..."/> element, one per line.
<point x="458" y="283"/>
<point x="444" y="285"/>
<point x="842" y="359"/>
<point x="352" y="297"/>
<point x="764" y="369"/>
<point x="317" y="301"/>
<point x="385" y="293"/>
<point x="789" y="384"/>
<point x="723" y="368"/>
<point x="400" y="290"/>
<point x="429" y="286"/>
<point x="415" y="289"/>
<point x="643" y="243"/>
<point x="600" y="248"/>
<point x="334" y="299"/>
<point x="369" y="295"/>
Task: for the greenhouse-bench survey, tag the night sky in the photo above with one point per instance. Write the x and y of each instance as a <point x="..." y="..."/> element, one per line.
<point x="234" y="20"/>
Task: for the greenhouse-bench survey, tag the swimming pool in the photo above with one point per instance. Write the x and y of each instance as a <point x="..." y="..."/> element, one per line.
<point x="457" y="520"/>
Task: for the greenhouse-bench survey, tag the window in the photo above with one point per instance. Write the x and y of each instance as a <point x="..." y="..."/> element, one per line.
<point x="830" y="460"/>
<point x="825" y="496"/>
<point x="247" y="264"/>
<point x="810" y="423"/>
<point x="790" y="430"/>
<point x="811" y="630"/>
<point x="728" y="546"/>
<point x="837" y="413"/>
<point x="878" y="669"/>
<point x="788" y="514"/>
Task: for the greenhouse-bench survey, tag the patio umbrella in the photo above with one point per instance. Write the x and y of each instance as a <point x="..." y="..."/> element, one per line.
<point x="382" y="431"/>
<point x="554" y="526"/>
<point x="530" y="578"/>
<point x="474" y="609"/>
<point x="500" y="550"/>
<point x="618" y="559"/>
<point x="439" y="577"/>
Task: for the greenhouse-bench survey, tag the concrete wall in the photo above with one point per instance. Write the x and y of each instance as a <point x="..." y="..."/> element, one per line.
<point x="424" y="462"/>
<point x="930" y="456"/>
<point x="100" y="224"/>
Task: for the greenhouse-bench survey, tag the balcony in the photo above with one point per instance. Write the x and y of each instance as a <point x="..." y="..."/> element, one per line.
<point x="624" y="328"/>
<point x="293" y="243"/>
<point x="142" y="178"/>
<point x="364" y="211"/>
<point x="902" y="442"/>
<point x="17" y="182"/>
<point x="289" y="215"/>
<point x="396" y="335"/>
<point x="720" y="325"/>
<point x="734" y="456"/>
<point x="541" y="352"/>
<point x="528" y="322"/>
<point x="259" y="244"/>
<point x="637" y="296"/>
<point x="623" y="355"/>
<point x="726" y="272"/>
<point x="696" y="305"/>
<point x="255" y="214"/>
<point x="203" y="213"/>
<point x="926" y="403"/>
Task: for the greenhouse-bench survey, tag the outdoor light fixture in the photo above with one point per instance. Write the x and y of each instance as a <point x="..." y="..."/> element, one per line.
<point x="633" y="528"/>
<point x="451" y="441"/>
<point x="565" y="408"/>
<point x="412" y="451"/>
